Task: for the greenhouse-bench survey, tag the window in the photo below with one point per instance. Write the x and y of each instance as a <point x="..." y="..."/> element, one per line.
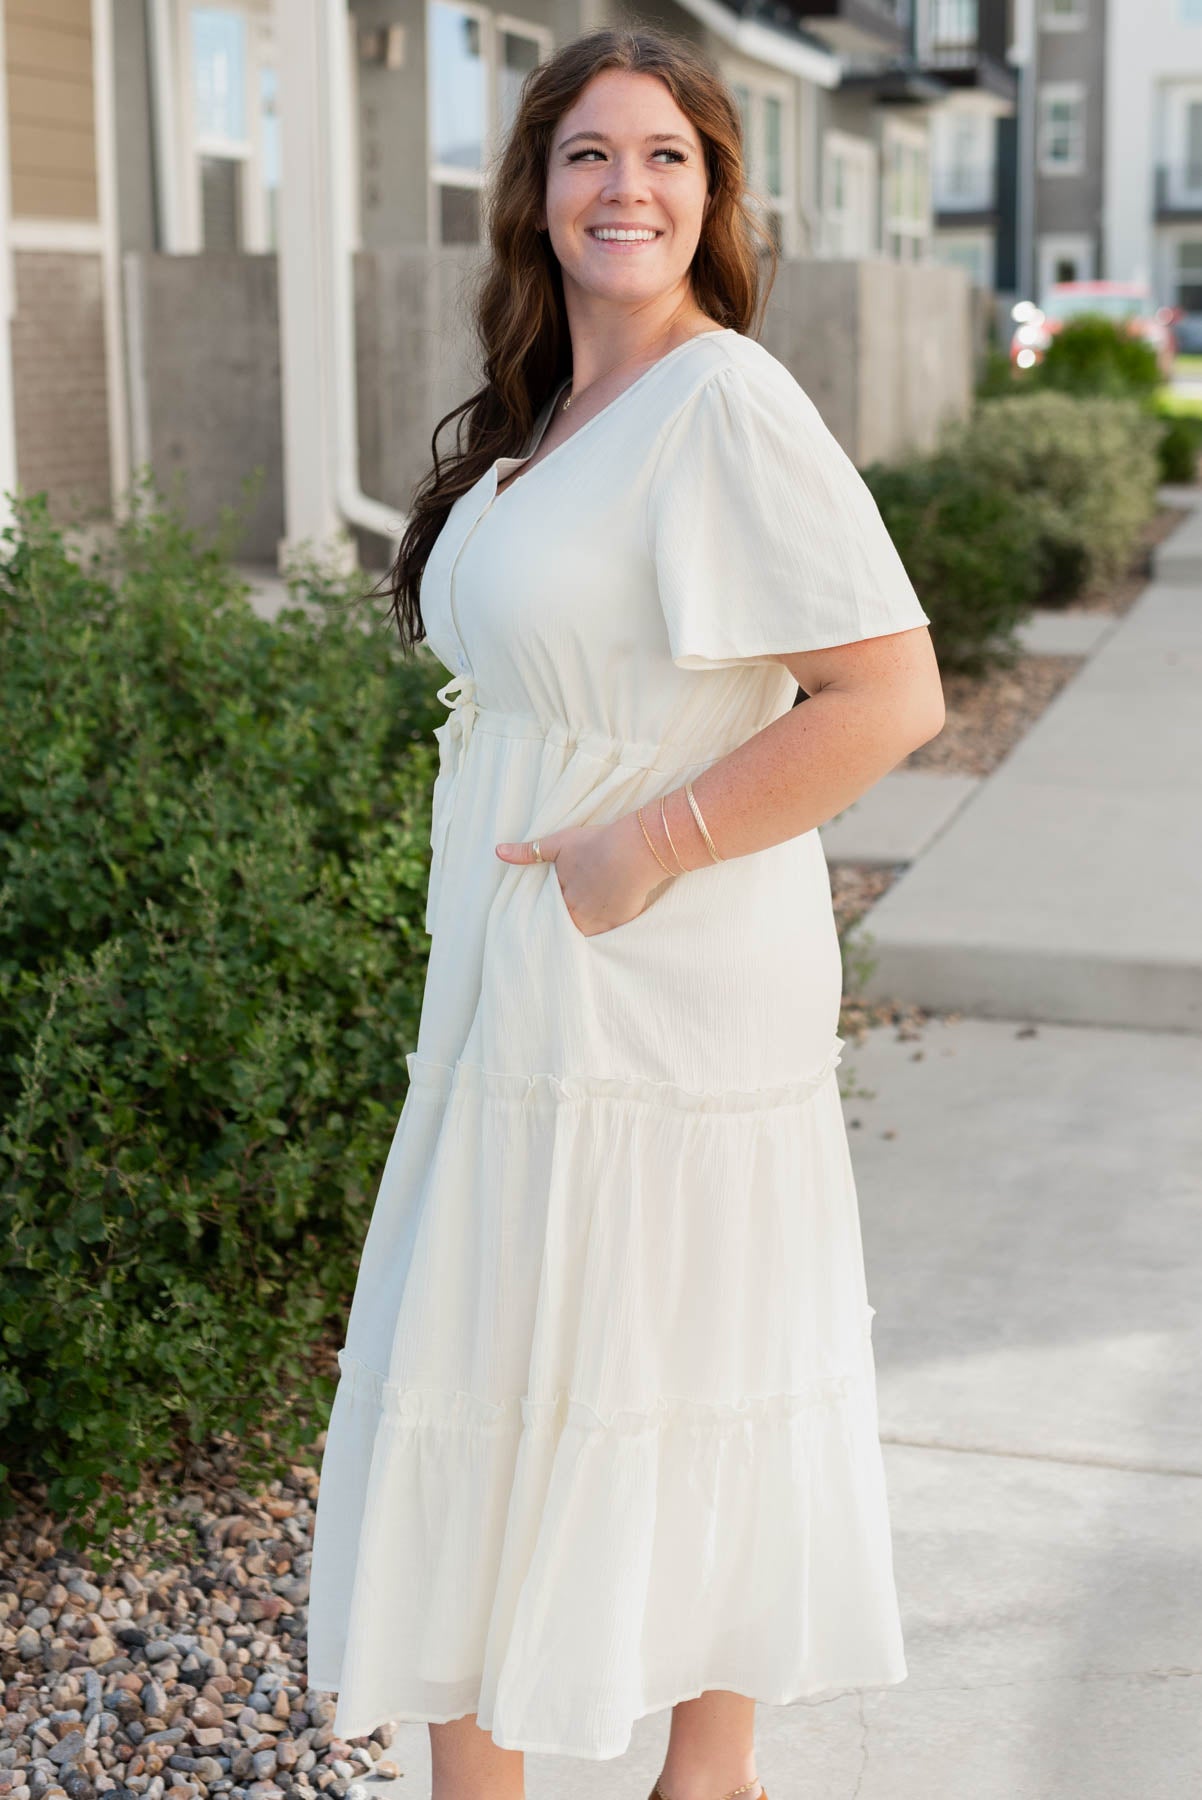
<point x="963" y="147"/>
<point x="459" y="90"/>
<point x="231" y="144"/>
<point x="1063" y="256"/>
<point x="848" y="200"/>
<point x="907" y="202"/>
<point x="477" y="64"/>
<point x="1191" y="12"/>
<point x="765" y="114"/>
<point x="1062" y="15"/>
<point x="1189" y="275"/>
<point x="1193" y="144"/>
<point x="1179" y="108"/>
<point x="972" y="254"/>
<point x="952" y="25"/>
<point x="1061" y="128"/>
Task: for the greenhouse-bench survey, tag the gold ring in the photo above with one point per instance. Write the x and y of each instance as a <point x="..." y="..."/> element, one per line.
<point x="538" y="855"/>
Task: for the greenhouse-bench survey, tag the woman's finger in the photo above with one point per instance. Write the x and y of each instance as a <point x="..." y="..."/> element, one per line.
<point x="524" y="853"/>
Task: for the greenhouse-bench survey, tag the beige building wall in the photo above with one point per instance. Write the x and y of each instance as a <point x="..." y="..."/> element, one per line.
<point x="51" y="117"/>
<point x="60" y="395"/>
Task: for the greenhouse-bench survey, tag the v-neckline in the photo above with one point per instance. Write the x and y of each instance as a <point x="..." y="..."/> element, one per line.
<point x="723" y="331"/>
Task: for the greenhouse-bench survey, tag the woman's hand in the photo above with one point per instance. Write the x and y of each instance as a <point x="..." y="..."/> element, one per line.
<point x="606" y="873"/>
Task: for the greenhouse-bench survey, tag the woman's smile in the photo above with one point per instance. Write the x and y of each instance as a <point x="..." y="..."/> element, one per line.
<point x="626" y="241"/>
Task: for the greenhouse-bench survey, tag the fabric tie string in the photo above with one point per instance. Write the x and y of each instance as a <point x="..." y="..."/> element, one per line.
<point x="453" y="735"/>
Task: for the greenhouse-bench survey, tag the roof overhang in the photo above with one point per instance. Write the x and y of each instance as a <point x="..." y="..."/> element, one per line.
<point x="779" y="49"/>
<point x="897" y="85"/>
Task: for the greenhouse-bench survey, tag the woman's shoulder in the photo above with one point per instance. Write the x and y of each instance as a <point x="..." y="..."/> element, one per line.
<point x="739" y="392"/>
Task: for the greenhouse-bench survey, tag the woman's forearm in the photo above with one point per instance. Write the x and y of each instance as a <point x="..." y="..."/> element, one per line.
<point x="798" y="772"/>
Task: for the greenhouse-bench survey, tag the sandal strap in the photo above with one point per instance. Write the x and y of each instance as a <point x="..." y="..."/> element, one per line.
<point x="657" y="1792"/>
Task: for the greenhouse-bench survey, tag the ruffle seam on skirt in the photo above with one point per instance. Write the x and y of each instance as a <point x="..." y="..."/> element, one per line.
<point x="458" y="1410"/>
<point x="521" y="1088"/>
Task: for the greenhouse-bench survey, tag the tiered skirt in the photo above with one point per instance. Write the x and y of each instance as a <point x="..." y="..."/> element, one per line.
<point x="605" y="1434"/>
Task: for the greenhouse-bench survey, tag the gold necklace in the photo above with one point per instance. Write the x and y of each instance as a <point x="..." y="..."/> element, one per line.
<point x="601" y="377"/>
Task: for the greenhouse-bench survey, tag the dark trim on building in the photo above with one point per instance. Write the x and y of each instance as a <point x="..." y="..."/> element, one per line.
<point x="985" y="219"/>
<point x="880" y="25"/>
<point x="898" y="84"/>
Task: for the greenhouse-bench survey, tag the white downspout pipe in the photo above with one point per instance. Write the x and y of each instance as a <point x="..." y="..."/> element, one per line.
<point x="317" y="332"/>
<point x="103" y="87"/>
<point x="354" y="504"/>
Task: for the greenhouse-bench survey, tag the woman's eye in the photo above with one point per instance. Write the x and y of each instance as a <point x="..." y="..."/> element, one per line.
<point x="676" y="155"/>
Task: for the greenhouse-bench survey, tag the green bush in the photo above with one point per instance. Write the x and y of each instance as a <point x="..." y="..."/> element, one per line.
<point x="1087" y="470"/>
<point x="996" y="375"/>
<point x="970" y="547"/>
<point x="213" y="858"/>
<point x="1180" y="446"/>
<point x="1090" y="354"/>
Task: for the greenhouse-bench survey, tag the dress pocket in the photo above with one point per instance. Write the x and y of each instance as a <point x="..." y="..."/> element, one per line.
<point x="652" y="905"/>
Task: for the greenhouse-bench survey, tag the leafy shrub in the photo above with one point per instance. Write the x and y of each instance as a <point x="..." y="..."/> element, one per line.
<point x="1087" y="470"/>
<point x="997" y="375"/>
<point x="971" y="548"/>
<point x="1180" y="446"/>
<point x="1090" y="354"/>
<point x="213" y="856"/>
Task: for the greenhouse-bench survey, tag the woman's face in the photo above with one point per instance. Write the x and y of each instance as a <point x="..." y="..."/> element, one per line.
<point x="625" y="155"/>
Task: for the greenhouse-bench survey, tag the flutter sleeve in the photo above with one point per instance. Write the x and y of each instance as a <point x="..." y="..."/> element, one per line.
<point x="764" y="536"/>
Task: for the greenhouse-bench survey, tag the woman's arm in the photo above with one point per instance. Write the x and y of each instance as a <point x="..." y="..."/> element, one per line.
<point x="871" y="703"/>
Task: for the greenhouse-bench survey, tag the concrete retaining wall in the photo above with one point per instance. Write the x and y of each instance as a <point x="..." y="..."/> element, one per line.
<point x="885" y="349"/>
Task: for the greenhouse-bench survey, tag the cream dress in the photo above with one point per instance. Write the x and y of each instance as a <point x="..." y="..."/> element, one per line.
<point x="606" y="1429"/>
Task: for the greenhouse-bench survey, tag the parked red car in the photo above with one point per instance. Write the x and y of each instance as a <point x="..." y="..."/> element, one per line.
<point x="1126" y="302"/>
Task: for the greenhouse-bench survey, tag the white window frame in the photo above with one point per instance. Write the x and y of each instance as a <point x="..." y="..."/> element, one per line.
<point x="1055" y="244"/>
<point x="932" y="44"/>
<point x="844" y="146"/>
<point x="910" y="228"/>
<point x="979" y="193"/>
<point x="1062" y="15"/>
<point x="760" y="88"/>
<point x="982" y="243"/>
<point x="492" y="27"/>
<point x="253" y="207"/>
<point x="1176" y="100"/>
<point x="1050" y="93"/>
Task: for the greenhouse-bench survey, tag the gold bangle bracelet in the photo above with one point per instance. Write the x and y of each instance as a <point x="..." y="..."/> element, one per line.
<point x="692" y="800"/>
<point x="655" y="853"/>
<point x="663" y="815"/>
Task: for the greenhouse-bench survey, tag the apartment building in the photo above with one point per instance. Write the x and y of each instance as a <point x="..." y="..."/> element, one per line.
<point x="62" y="423"/>
<point x="1152" y="153"/>
<point x="236" y="229"/>
<point x="966" y="46"/>
<point x="1068" y="133"/>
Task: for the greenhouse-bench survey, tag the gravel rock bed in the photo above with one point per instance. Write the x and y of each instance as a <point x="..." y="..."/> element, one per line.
<point x="177" y="1675"/>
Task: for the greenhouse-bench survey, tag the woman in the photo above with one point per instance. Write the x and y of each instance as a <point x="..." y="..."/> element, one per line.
<point x="605" y="1439"/>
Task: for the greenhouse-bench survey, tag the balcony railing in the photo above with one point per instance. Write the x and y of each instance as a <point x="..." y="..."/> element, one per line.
<point x="953" y="32"/>
<point x="854" y="27"/>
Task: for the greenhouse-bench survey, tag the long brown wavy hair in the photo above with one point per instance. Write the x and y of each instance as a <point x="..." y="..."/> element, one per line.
<point x="520" y="316"/>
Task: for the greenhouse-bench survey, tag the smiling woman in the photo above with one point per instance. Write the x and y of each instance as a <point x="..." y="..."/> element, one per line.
<point x="605" y="1436"/>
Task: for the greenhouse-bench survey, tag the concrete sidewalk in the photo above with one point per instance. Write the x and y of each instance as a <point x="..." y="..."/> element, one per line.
<point x="1068" y="886"/>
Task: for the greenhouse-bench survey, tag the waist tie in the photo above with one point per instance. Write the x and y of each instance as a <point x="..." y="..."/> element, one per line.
<point x="453" y="735"/>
